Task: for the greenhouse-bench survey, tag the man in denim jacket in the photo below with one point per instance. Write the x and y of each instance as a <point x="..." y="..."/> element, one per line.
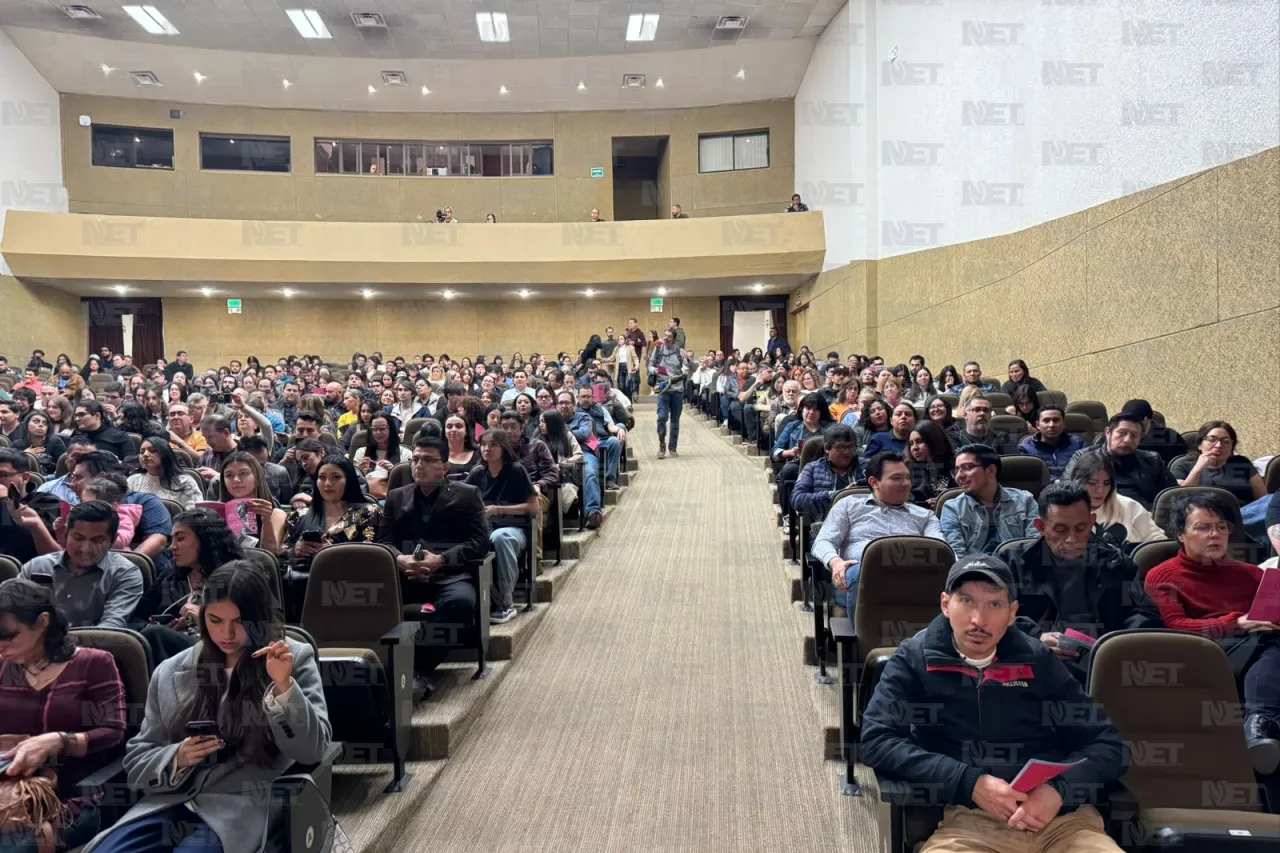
<point x="987" y="514"/>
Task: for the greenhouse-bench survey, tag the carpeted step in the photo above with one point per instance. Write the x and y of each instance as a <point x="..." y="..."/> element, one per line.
<point x="370" y="818"/>
<point x="505" y="641"/>
<point x="773" y="491"/>
<point x="440" y="723"/>
<point x="553" y="579"/>
<point x="826" y="699"/>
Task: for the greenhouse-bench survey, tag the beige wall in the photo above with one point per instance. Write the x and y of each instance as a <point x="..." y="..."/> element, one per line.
<point x="335" y="329"/>
<point x="582" y="140"/>
<point x="41" y="318"/>
<point x="1171" y="294"/>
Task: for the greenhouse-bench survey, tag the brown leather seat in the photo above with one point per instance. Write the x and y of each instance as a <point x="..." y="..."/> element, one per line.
<point x="400" y="476"/>
<point x="1148" y="555"/>
<point x="411" y="430"/>
<point x="1096" y="411"/>
<point x="1173" y="698"/>
<point x="144" y="564"/>
<point x="132" y="654"/>
<point x="1078" y="423"/>
<point x="9" y="568"/>
<point x="358" y="440"/>
<point x="1240" y="546"/>
<point x="1052" y="398"/>
<point x="944" y="497"/>
<point x="1028" y="473"/>
<point x="999" y="400"/>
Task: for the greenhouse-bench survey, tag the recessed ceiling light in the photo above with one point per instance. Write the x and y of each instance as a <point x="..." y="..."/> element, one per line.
<point x="742" y="74"/>
<point x="200" y="78"/>
<point x="589" y="292"/>
<point x="757" y="287"/>
<point x="287" y="293"/>
<point x="642" y="27"/>
<point x="145" y="78"/>
<point x="207" y="291"/>
<point x="502" y="90"/>
<point x="372" y="90"/>
<point x="493" y="26"/>
<point x="285" y="83"/>
<point x="367" y="293"/>
<point x="426" y="91"/>
<point x="524" y="294"/>
<point x="659" y="84"/>
<point x="122" y="289"/>
<point x="582" y="86"/>
<point x="150" y="19"/>
<point x="106" y="69"/>
<point x="80" y="13"/>
<point x="662" y="291"/>
<point x="448" y="294"/>
<point x="308" y="23"/>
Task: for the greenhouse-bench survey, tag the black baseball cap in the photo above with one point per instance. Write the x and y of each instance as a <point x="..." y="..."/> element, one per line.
<point x="980" y="567"/>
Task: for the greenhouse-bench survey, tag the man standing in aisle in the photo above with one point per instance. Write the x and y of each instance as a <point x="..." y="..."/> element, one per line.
<point x="669" y="362"/>
<point x="634" y="338"/>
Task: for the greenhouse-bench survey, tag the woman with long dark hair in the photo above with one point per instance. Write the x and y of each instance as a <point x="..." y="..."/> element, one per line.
<point x="382" y="452"/>
<point x="162" y="476"/>
<point x="262" y="692"/>
<point x="463" y="454"/>
<point x="1215" y="462"/>
<point x="60" y="704"/>
<point x="949" y="380"/>
<point x="589" y="352"/>
<point x="921" y="389"/>
<point x="134" y="418"/>
<point x="1020" y="377"/>
<point x="930" y="460"/>
<point x="811" y="418"/>
<point x="242" y="478"/>
<point x="876" y="417"/>
<point x="1122" y="520"/>
<point x="201" y="543"/>
<point x="42" y="441"/>
<point x="1026" y="404"/>
<point x="507" y="492"/>
<point x="938" y="410"/>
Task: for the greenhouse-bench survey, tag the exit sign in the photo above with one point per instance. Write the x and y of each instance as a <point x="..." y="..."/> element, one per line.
<point x="655" y="305"/>
<point x="233" y="306"/>
<point x="597" y="171"/>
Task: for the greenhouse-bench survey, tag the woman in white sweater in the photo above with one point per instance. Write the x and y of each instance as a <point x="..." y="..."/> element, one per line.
<point x="1122" y="519"/>
<point x="161" y="476"/>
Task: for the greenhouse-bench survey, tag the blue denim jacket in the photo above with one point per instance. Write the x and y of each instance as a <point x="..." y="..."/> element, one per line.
<point x="964" y="520"/>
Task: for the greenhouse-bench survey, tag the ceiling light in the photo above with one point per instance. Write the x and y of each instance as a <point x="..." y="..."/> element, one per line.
<point x="287" y="293"/>
<point x="502" y="90"/>
<point x="308" y="23"/>
<point x="493" y="26"/>
<point x="633" y="81"/>
<point x="448" y="294"/>
<point x="642" y="27"/>
<point x="742" y="74"/>
<point x="200" y="78"/>
<point x="145" y="78"/>
<point x="658" y="85"/>
<point x="106" y="69"/>
<point x="367" y="293"/>
<point x="731" y="22"/>
<point x="372" y="90"/>
<point x="662" y="291"/>
<point x="80" y="13"/>
<point x="395" y="78"/>
<point x="582" y="86"/>
<point x="121" y="289"/>
<point x="426" y="91"/>
<point x="286" y="83"/>
<point x="589" y="292"/>
<point x="207" y="291"/>
<point x="757" y="287"/>
<point x="524" y="294"/>
<point x="368" y="21"/>
<point x="150" y="19"/>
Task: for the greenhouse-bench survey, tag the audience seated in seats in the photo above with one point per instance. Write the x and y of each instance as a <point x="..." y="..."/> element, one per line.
<point x="243" y="479"/>
<point x="1139" y="474"/>
<point x="784" y="406"/>
<point x="110" y="488"/>
<point x="92" y="424"/>
<point x="507" y="491"/>
<point x="278" y="481"/>
<point x="367" y="409"/>
<point x="448" y="521"/>
<point x="901" y="421"/>
<point x="593" y="427"/>
<point x="987" y="514"/>
<point x="1026" y="405"/>
<point x="976" y="426"/>
<point x="1122" y="521"/>
<point x="216" y="430"/>
<point x="536" y="459"/>
<point x="932" y="461"/>
<point x="134" y="418"/>
<point x="974" y="740"/>
<point x="161" y="475"/>
<point x="182" y="433"/>
<point x="875" y="418"/>
<point x="11" y="422"/>
<point x="856" y="520"/>
<point x="60" y="706"/>
<point x="202" y="542"/>
<point x="1069" y="578"/>
<point x="1156" y="437"/>
<point x="939" y="411"/>
<point x="1217" y="464"/>
<point x="381" y="453"/>
<point x="27" y="516"/>
<point x="1204" y="591"/>
<point x="1052" y="443"/>
<point x="973" y="378"/>
<point x="337" y="512"/>
<point x="813" y="417"/>
<point x="737" y="382"/>
<point x="463" y="454"/>
<point x="302" y="461"/>
<point x="520" y="382"/>
<point x="91" y="585"/>
<point x="822" y="479"/>
<point x="154" y="526"/>
<point x="566" y="452"/>
<point x="921" y="389"/>
<point x="205" y="792"/>
<point x="1020" y="377"/>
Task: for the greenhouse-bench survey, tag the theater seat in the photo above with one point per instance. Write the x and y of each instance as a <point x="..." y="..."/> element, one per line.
<point x="1078" y="423"/>
<point x="1240" y="546"/>
<point x="400" y="476"/>
<point x="1148" y="555"/>
<point x="1096" y="411"/>
<point x="9" y="568"/>
<point x="1052" y="398"/>
<point x="999" y="400"/>
<point x="144" y="564"/>
<point x="1173" y="698"/>
<point x="1029" y="473"/>
<point x="944" y="497"/>
<point x="358" y="440"/>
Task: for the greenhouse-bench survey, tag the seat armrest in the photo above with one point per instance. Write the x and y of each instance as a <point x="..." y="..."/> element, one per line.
<point x="405" y="632"/>
<point x="105" y="776"/>
<point x="905" y="793"/>
<point x="842" y="629"/>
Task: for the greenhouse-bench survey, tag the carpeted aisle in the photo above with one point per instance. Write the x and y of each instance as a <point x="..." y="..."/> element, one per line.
<point x="662" y="704"/>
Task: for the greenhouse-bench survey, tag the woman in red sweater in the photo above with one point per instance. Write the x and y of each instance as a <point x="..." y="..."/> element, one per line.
<point x="1204" y="591"/>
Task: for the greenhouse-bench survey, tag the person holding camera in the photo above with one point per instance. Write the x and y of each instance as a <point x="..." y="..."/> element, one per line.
<point x="62" y="708"/>
<point x="223" y="720"/>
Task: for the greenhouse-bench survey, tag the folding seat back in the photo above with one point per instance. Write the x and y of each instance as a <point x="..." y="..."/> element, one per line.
<point x="1078" y="423"/>
<point x="1272" y="477"/>
<point x="952" y="400"/>
<point x="999" y="400"/>
<point x="9" y="568"/>
<point x="949" y="494"/>
<point x="1096" y="411"/>
<point x="1148" y="555"/>
<point x="1172" y="696"/>
<point x="898" y="591"/>
<point x="144" y="564"/>
<point x="270" y="566"/>
<point x="353" y="597"/>
<point x="358" y="440"/>
<point x="411" y="430"/>
<point x="1052" y="398"/>
<point x="1240" y="545"/>
<point x="1029" y="473"/>
<point x="400" y="476"/>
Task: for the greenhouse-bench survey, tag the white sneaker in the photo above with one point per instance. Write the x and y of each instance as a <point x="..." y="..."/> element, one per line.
<point x="498" y="617"/>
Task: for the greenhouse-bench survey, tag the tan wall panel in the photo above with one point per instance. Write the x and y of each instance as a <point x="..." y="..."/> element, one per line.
<point x="583" y="140"/>
<point x="41" y="318"/>
<point x="270" y="329"/>
<point x="1249" y="235"/>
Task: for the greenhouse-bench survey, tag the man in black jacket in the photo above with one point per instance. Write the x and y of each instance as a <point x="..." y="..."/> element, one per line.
<point x="964" y="704"/>
<point x="1139" y="474"/>
<point x="1070" y="579"/>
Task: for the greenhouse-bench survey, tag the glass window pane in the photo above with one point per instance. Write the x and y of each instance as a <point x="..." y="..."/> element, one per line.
<point x="131" y="147"/>
<point x="350" y="157"/>
<point x="395" y="159"/>
<point x="715" y="154"/>
<point x="542" y="159"/>
<point x="415" y="162"/>
<point x="327" y="157"/>
<point x="751" y="151"/>
<point x="490" y="160"/>
<point x="244" y="154"/>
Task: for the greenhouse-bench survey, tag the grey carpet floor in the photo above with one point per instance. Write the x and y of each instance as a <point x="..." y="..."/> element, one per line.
<point x="662" y="704"/>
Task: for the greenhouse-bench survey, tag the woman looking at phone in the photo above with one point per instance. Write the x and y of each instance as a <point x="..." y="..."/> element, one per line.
<point x="223" y="720"/>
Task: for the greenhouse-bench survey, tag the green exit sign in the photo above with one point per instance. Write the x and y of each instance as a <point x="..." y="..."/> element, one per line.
<point x="655" y="305"/>
<point x="597" y="171"/>
<point x="234" y="306"/>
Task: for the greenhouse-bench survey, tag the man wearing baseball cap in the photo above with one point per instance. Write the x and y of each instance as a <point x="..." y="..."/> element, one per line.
<point x="964" y="704"/>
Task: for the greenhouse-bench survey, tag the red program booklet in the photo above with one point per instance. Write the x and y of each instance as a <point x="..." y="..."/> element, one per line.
<point x="236" y="514"/>
<point x="1036" y="772"/>
<point x="1266" y="601"/>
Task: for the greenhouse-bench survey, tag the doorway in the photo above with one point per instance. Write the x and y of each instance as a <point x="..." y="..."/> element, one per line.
<point x="638" y="188"/>
<point x="129" y="326"/>
<point x="745" y="321"/>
